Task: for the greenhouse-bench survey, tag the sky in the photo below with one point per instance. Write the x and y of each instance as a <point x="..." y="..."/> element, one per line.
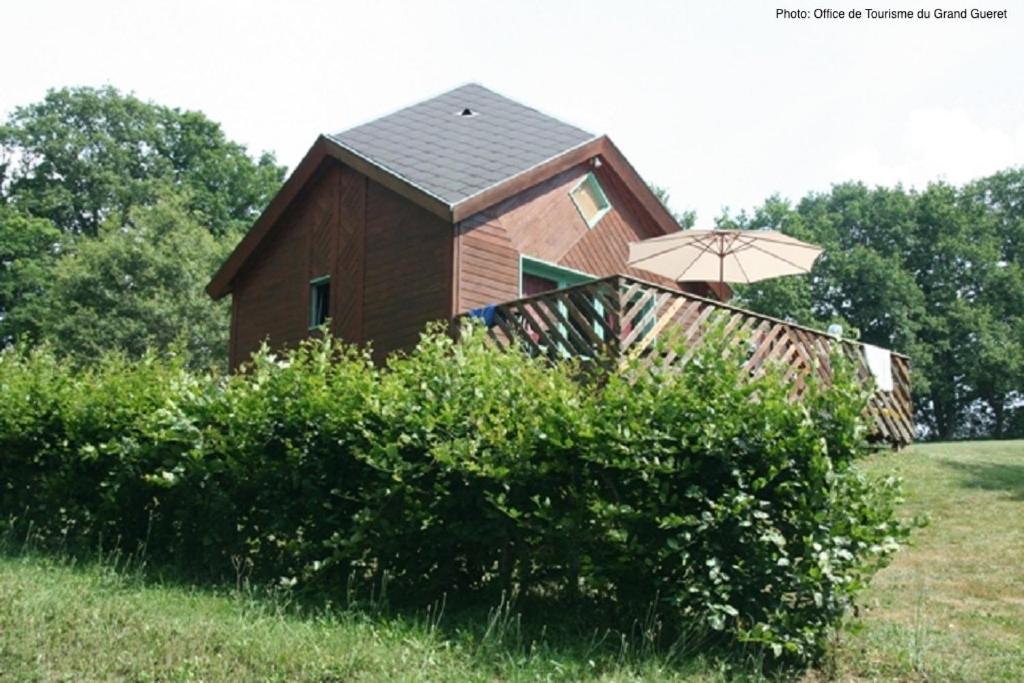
<point x="721" y="103"/>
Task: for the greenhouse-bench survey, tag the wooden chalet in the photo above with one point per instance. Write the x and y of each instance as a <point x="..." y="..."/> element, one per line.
<point x="470" y="201"/>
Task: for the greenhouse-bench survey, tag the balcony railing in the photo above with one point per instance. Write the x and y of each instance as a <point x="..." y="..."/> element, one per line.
<point x="621" y="317"/>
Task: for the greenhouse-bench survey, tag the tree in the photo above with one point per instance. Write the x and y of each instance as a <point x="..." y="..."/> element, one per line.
<point x="998" y="373"/>
<point x="1002" y="196"/>
<point x="139" y="285"/>
<point x="83" y="155"/>
<point x="114" y="212"/>
<point x="28" y="248"/>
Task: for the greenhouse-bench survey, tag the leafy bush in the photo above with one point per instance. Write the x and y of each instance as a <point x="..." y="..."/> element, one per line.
<point x="705" y="496"/>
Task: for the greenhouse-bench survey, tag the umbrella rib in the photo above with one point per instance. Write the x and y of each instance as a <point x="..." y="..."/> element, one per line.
<point x="742" y="269"/>
<point x="794" y="242"/>
<point x="726" y="250"/>
<point x="657" y="254"/>
<point x="743" y="246"/>
<point x="780" y="258"/>
<point x="752" y="240"/>
<point x="705" y="248"/>
<point x="681" y="234"/>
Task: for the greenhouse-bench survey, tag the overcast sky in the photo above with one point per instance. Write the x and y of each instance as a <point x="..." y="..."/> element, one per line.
<point x="720" y="102"/>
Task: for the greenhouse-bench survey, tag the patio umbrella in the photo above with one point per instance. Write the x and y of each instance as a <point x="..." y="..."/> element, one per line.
<point x="723" y="255"/>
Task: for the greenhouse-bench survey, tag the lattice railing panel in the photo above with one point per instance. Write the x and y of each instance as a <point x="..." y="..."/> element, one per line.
<point x="620" y="317"/>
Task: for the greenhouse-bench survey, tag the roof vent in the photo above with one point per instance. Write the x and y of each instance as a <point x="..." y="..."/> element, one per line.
<point x="467" y="112"/>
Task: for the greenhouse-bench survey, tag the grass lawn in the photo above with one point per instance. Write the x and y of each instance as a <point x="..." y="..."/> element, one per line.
<point x="61" y="622"/>
<point x="949" y="608"/>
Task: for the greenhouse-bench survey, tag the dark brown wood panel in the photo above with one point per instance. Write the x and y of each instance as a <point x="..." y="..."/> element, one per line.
<point x="396" y="264"/>
<point x="348" y="272"/>
<point x="271" y="297"/>
<point x="389" y="261"/>
<point x="319" y="217"/>
<point x="408" y="266"/>
<point x="272" y="217"/>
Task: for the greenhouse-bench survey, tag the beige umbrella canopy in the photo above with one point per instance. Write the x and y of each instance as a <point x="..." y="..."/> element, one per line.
<point x="723" y="255"/>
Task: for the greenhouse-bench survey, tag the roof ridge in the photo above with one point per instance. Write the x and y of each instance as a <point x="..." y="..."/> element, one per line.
<point x="409" y="106"/>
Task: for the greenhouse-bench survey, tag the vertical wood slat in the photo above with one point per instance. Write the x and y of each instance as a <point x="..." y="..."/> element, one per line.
<point x="587" y="321"/>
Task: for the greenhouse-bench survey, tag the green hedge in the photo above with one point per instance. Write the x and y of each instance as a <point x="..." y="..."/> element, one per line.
<point x="463" y="470"/>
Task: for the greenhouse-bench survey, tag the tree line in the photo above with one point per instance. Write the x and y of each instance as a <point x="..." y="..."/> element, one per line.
<point x="936" y="273"/>
<point x="114" y="213"/>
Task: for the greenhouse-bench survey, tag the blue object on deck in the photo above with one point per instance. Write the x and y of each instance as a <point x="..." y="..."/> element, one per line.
<point x="485" y="313"/>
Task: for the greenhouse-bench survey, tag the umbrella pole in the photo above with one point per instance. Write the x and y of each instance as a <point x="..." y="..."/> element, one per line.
<point x="721" y="266"/>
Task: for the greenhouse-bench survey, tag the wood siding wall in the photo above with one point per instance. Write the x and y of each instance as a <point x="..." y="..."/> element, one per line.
<point x="389" y="262"/>
<point x="543" y="222"/>
<point x="408" y="270"/>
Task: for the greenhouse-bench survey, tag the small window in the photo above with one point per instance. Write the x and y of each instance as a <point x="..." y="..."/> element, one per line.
<point x="319" y="301"/>
<point x="590" y="200"/>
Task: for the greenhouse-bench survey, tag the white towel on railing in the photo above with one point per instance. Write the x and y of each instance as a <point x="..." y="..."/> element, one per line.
<point x="880" y="364"/>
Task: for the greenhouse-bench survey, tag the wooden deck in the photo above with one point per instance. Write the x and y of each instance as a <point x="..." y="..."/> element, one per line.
<point x="621" y="317"/>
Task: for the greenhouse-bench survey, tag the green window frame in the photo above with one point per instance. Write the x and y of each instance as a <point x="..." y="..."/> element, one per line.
<point x="600" y="199"/>
<point x="565" y="277"/>
<point x="319" y="301"/>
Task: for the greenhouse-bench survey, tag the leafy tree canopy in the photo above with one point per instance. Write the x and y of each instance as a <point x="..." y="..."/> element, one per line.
<point x="138" y="285"/>
<point x="114" y="213"/>
<point x="85" y="154"/>
<point x="28" y="248"/>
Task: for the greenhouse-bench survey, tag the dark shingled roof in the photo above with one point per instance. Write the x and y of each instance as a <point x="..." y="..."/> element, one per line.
<point x="453" y="157"/>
